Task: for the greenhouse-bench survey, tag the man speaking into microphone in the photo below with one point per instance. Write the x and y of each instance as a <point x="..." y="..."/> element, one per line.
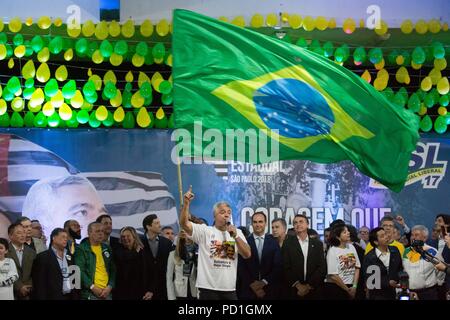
<point x="219" y="246"/>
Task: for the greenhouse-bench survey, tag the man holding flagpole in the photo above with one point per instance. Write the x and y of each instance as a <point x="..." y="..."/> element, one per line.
<point x="218" y="249"/>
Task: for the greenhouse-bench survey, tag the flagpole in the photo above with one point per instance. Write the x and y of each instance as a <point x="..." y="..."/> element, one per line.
<point x="180" y="181"/>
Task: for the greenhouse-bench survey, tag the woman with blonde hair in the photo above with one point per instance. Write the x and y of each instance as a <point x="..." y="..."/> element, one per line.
<point x="132" y="280"/>
<point x="182" y="270"/>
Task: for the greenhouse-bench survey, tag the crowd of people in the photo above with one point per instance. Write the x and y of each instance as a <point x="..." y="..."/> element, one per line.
<point x="222" y="262"/>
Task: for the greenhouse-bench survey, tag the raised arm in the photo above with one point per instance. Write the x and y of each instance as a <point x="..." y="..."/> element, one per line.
<point x="186" y="225"/>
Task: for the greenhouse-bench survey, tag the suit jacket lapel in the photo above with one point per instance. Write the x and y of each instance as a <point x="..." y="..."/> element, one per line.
<point x="311" y="254"/>
<point x="13" y="254"/>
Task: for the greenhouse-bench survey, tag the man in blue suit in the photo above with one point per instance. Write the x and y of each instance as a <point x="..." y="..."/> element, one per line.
<point x="259" y="277"/>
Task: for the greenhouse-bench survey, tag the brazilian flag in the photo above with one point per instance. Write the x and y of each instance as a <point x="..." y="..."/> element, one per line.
<point x="228" y="77"/>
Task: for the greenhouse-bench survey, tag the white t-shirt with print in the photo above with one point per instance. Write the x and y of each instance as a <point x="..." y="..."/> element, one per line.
<point x="343" y="262"/>
<point x="217" y="257"/>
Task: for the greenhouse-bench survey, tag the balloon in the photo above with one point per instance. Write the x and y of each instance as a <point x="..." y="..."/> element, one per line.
<point x="102" y="30"/>
<point x="359" y="55"/>
<point x="28" y="70"/>
<point x="161" y="119"/>
<point x="438" y="50"/>
<point x="414" y="103"/>
<point x="129" y="121"/>
<point x="4" y="120"/>
<point x="142" y="48"/>
<point x="379" y="65"/>
<point x="17" y="104"/>
<point x="440" y="124"/>
<point x="321" y="23"/>
<point x="137" y="100"/>
<point x="117" y="100"/>
<point x="91" y="99"/>
<point x="43" y="55"/>
<point x="143" y="118"/>
<point x="109" y="121"/>
<point x="88" y="29"/>
<point x="3" y="107"/>
<point x="57" y="100"/>
<point x="444" y="100"/>
<point x="238" y="21"/>
<point x="106" y="49"/>
<point x="138" y="61"/>
<point x="309" y="24"/>
<point x="51" y="88"/>
<point x="101" y="113"/>
<point x="128" y="29"/>
<point x="434" y="26"/>
<point x="69" y="89"/>
<point x="48" y="109"/>
<point x="121" y="47"/>
<point x="406" y="27"/>
<point x="83" y="116"/>
<point x="421" y="28"/>
<point x="162" y="28"/>
<point x="15" y="25"/>
<point x="11" y="63"/>
<point x="29" y="119"/>
<point x="77" y="100"/>
<point x="440" y="64"/>
<point x="68" y="55"/>
<point x="16" y="120"/>
<point x="73" y="29"/>
<point x="109" y="77"/>
<point x="165" y="87"/>
<point x="257" y="21"/>
<point x="435" y="75"/>
<point x="366" y="76"/>
<point x="93" y="122"/>
<point x="442" y="111"/>
<point x="167" y="99"/>
<point x="44" y="22"/>
<point x="383" y="28"/>
<point x="81" y="46"/>
<point x="115" y="59"/>
<point x="129" y="77"/>
<point x="379" y="84"/>
<point x="114" y="29"/>
<point x="146" y="28"/>
<point x="40" y="120"/>
<point x="443" y="86"/>
<point x="401" y="75"/>
<point x="89" y="89"/>
<point x="2" y="25"/>
<point x="126" y="99"/>
<point x="13" y="84"/>
<point x="58" y="22"/>
<point x="18" y="39"/>
<point x="349" y="26"/>
<point x="146" y="90"/>
<point x="109" y="91"/>
<point x="295" y="21"/>
<point x="54" y="120"/>
<point x="426" y="84"/>
<point x="97" y="57"/>
<point x="418" y="55"/>
<point x="61" y="73"/>
<point x="429" y="100"/>
<point x="2" y="52"/>
<point x="415" y="66"/>
<point x="56" y="45"/>
<point x="72" y="122"/>
<point x="119" y="115"/>
<point x="375" y="55"/>
<point x="65" y="112"/>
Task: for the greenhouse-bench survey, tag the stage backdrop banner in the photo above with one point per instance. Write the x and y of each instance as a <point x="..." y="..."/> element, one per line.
<point x="56" y="175"/>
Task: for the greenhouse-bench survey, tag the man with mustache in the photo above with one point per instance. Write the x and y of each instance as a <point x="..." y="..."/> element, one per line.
<point x="73" y="230"/>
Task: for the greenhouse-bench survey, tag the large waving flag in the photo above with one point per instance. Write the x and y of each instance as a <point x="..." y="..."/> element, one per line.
<point x="228" y="77"/>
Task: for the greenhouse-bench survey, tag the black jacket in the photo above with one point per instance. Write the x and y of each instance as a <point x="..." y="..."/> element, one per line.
<point x="395" y="266"/>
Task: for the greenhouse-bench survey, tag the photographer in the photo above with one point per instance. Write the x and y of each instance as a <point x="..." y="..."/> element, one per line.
<point x="423" y="277"/>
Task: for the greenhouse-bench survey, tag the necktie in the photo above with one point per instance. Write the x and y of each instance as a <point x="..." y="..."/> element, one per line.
<point x="259" y="247"/>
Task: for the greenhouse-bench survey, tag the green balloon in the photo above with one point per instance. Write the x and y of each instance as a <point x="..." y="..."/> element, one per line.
<point x="399" y="100"/>
<point x="93" y="122"/>
<point x="426" y="124"/>
<point x="9" y="50"/>
<point x="418" y="55"/>
<point x="121" y="47"/>
<point x="301" y="42"/>
<point x="429" y="100"/>
<point x="29" y="119"/>
<point x="407" y="58"/>
<point x="440" y="124"/>
<point x="89" y="89"/>
<point x="28" y="49"/>
<point x="167" y="99"/>
<point x="54" y="120"/>
<point x="171" y="124"/>
<point x="404" y="93"/>
<point x="69" y="89"/>
<point x="421" y="94"/>
<point x="339" y="54"/>
<point x="81" y="46"/>
<point x="438" y="50"/>
<point x="106" y="49"/>
<point x="83" y="116"/>
<point x="414" y="103"/>
<point x="51" y="88"/>
<point x="389" y="93"/>
<point x="392" y="57"/>
<point x="92" y="99"/>
<point x="93" y="46"/>
<point x="444" y="100"/>
<point x="56" y="45"/>
<point x="165" y="87"/>
<point x="16" y="120"/>
<point x="149" y="60"/>
<point x="4" y="120"/>
<point x="40" y="120"/>
<point x="27" y="93"/>
<point x="128" y="87"/>
<point x="126" y="99"/>
<point x="359" y="55"/>
<point x="375" y="55"/>
<point x="3" y="38"/>
<point x="7" y="95"/>
<point x="13" y="84"/>
<point x="29" y="83"/>
<point x="152" y="120"/>
<point x="142" y="49"/>
<point x="161" y="123"/>
<point x="129" y="122"/>
<point x="159" y="50"/>
<point x="73" y="122"/>
<point x="110" y="90"/>
<point x="148" y="101"/>
<point x="109" y="121"/>
<point x="146" y="90"/>
<point x="18" y="39"/>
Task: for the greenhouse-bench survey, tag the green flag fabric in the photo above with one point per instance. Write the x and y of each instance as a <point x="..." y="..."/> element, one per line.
<point x="229" y="77"/>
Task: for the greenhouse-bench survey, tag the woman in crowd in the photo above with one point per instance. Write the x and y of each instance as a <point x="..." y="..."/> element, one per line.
<point x="132" y="281"/>
<point x="182" y="270"/>
<point x="343" y="265"/>
<point x="8" y="272"/>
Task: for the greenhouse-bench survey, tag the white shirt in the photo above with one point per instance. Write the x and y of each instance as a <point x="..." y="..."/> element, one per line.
<point x="422" y="273"/>
<point x="256" y="242"/>
<point x="343" y="262"/>
<point x="384" y="257"/>
<point x="8" y="275"/>
<point x="217" y="257"/>
<point x="304" y="245"/>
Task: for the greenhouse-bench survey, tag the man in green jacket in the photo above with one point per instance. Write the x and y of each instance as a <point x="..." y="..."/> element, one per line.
<point x="96" y="265"/>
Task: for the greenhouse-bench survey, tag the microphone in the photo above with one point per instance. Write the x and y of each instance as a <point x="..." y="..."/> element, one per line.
<point x="230" y="232"/>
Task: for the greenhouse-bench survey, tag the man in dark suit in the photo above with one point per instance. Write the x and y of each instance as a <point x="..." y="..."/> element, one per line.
<point x="157" y="249"/>
<point x="260" y="276"/>
<point x="106" y="221"/>
<point x="304" y="277"/>
<point x="381" y="266"/>
<point x="23" y="257"/>
<point x="51" y="273"/>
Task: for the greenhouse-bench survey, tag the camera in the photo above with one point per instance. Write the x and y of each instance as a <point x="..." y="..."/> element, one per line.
<point x="404" y="287"/>
<point x="417" y="244"/>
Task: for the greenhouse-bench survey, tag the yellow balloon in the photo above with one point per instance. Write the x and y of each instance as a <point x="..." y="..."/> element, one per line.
<point x="146" y="28"/>
<point x="361" y="23"/>
<point x="423" y="110"/>
<point x="137" y="100"/>
<point x="440" y="64"/>
<point x="68" y="55"/>
<point x="321" y="23"/>
<point x="109" y="76"/>
<point x="89" y="73"/>
<point x="44" y="22"/>
<point x="426" y="84"/>
<point x="29" y="21"/>
<point x="160" y="114"/>
<point x="383" y="74"/>
<point x="17" y="104"/>
<point x="435" y="76"/>
<point x="65" y="112"/>
<point x="379" y="65"/>
<point x="158" y="61"/>
<point x="114" y="29"/>
<point x="379" y="84"/>
<point x="295" y="21"/>
<point x="285" y="17"/>
<point x="407" y="26"/>
<point x="57" y="100"/>
<point x="117" y="100"/>
<point x="37" y="98"/>
<point x="443" y="86"/>
<point x="434" y="26"/>
<point x="332" y="23"/>
<point x="162" y="28"/>
<point x="2" y="25"/>
<point x="224" y="19"/>
<point x="15" y="25"/>
<point x="421" y="27"/>
<point x="116" y="59"/>
<point x="349" y="25"/>
<point x="43" y="73"/>
<point x="97" y="57"/>
<point x="48" y="109"/>
<point x="1" y="90"/>
<point x="129" y="77"/>
<point x="366" y="76"/>
<point x="143" y="118"/>
<point x="97" y="81"/>
<point x="169" y="60"/>
<point x="3" y="107"/>
<point x="415" y="66"/>
<point x="58" y="22"/>
<point x="43" y="55"/>
<point x="239" y="21"/>
<point x="442" y="111"/>
<point x="156" y="80"/>
<point x="401" y="75"/>
<point x="119" y="115"/>
<point x="28" y="70"/>
<point x="11" y="63"/>
<point x="144" y="78"/>
<point x="383" y="28"/>
<point x="61" y="73"/>
<point x="102" y="30"/>
<point x="77" y="100"/>
<point x="444" y="27"/>
<point x="271" y="20"/>
<point x="407" y="79"/>
<point x="88" y="28"/>
<point x="309" y="24"/>
<point x="257" y="21"/>
<point x="400" y="60"/>
<point x="137" y="60"/>
<point x="3" y="52"/>
<point x="101" y="113"/>
<point x="19" y="51"/>
<point x="34" y="109"/>
<point x="73" y="30"/>
<point x="128" y="29"/>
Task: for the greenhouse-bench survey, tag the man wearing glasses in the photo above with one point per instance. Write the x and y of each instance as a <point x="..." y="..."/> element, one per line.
<point x="388" y="224"/>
